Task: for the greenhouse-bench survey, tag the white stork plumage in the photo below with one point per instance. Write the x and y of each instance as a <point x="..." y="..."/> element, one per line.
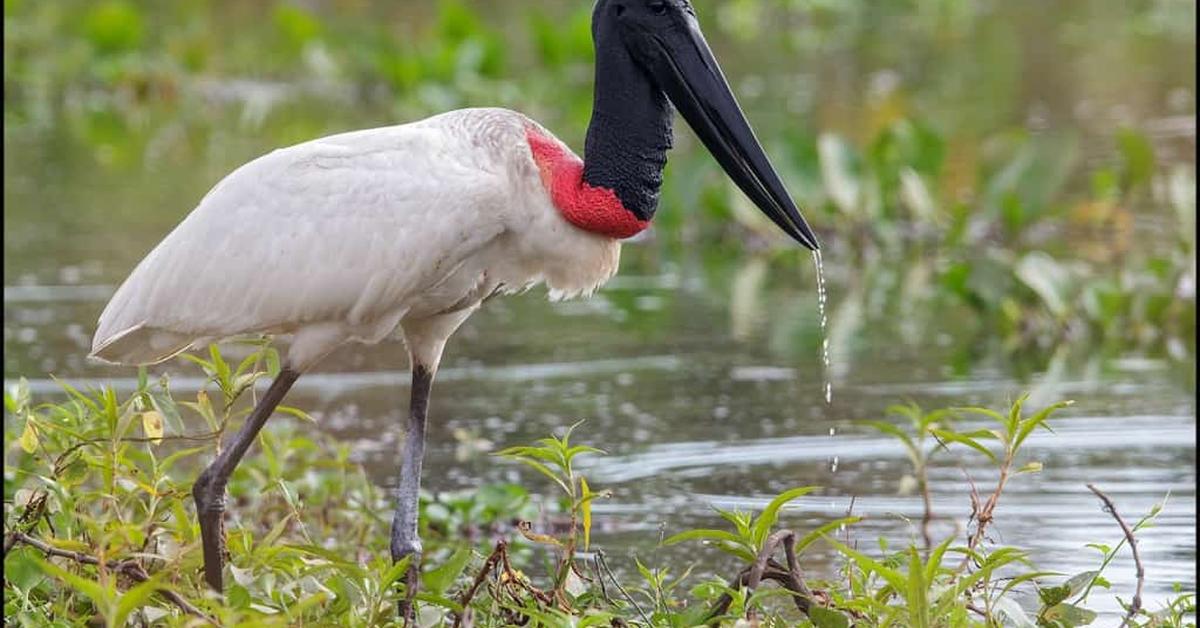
<point x="349" y="237"/>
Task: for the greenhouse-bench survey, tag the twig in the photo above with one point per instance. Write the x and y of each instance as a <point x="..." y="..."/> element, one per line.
<point x="133" y="439"/>
<point x="976" y="505"/>
<point x="604" y="564"/>
<point x="1136" y="604"/>
<point x="129" y="567"/>
<point x="600" y="579"/>
<point x="488" y="566"/>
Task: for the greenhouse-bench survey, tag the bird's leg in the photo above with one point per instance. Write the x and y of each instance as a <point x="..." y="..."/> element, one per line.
<point x="405" y="539"/>
<point x="209" y="489"/>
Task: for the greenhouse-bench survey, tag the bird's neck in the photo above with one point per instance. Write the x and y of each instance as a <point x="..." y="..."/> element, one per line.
<point x="614" y="191"/>
<point x="629" y="134"/>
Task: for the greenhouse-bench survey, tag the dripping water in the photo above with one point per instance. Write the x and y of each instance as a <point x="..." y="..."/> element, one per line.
<point x="821" y="298"/>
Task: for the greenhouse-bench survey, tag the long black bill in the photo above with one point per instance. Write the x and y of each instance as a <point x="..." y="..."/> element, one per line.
<point x="686" y="70"/>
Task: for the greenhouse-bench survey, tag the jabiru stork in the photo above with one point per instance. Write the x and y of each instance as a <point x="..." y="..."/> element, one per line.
<point x="349" y="237"/>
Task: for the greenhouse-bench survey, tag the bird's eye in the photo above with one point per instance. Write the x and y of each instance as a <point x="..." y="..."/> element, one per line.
<point x="620" y="10"/>
<point x="659" y="8"/>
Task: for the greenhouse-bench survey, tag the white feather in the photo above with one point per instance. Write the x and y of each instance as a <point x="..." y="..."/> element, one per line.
<point x="345" y="237"/>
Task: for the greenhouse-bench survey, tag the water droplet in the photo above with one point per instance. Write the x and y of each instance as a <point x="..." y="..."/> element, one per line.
<point x="821" y="298"/>
<point x="833" y="465"/>
<point x="832" y="431"/>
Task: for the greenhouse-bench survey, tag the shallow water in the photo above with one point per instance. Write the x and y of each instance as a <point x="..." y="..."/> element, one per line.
<point x="700" y="370"/>
<point x="693" y="419"/>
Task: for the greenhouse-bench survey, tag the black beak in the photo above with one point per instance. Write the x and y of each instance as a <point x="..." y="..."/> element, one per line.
<point x="686" y="70"/>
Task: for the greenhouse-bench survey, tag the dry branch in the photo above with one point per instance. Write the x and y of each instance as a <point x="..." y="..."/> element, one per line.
<point x="766" y="567"/>
<point x="492" y="561"/>
<point x="1136" y="604"/>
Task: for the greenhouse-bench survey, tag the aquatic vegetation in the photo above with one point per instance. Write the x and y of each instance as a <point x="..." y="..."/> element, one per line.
<point x="98" y="528"/>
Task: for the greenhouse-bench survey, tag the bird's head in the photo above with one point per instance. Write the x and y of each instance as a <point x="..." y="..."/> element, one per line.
<point x="664" y="40"/>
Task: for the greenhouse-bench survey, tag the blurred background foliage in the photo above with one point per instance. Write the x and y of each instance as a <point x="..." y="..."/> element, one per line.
<point x="1029" y="164"/>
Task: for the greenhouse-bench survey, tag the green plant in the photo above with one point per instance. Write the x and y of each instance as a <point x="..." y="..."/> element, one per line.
<point x="99" y="530"/>
<point x="553" y="457"/>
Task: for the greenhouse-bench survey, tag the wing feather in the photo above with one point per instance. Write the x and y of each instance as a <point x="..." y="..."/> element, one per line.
<point x="344" y="228"/>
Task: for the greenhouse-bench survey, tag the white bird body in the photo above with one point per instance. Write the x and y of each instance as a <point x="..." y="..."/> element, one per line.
<point x="348" y="236"/>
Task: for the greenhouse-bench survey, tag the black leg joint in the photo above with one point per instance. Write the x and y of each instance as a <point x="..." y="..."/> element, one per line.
<point x="209" y="497"/>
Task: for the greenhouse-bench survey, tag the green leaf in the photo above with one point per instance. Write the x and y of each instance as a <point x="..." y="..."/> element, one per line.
<point x="586" y="511"/>
<point x="894" y="578"/>
<point x="987" y="412"/>
<point x="1009" y="608"/>
<point x="99" y="596"/>
<point x="1023" y="578"/>
<point x="170" y="460"/>
<point x="762" y="525"/>
<point x="704" y="535"/>
<point x="740" y="521"/>
<point x="1030" y="467"/>
<point x="582" y="449"/>
<point x="1037" y="419"/>
<point x="29" y="437"/>
<point x="816" y="534"/>
<point x="394" y="573"/>
<point x="273" y="366"/>
<point x="16" y="399"/>
<point x="204" y="365"/>
<point x="277" y="531"/>
<point x="962" y="439"/>
<point x="539" y="453"/>
<point x="439" y="600"/>
<point x="135" y="598"/>
<point x="544" y="470"/>
<point x="441" y="578"/>
<point x="916" y="597"/>
<point x="345" y="564"/>
<point x="239" y="596"/>
<point x="827" y="618"/>
<point x="1068" y="615"/>
<point x="296" y="412"/>
<point x="935" y="560"/>
<point x="738" y="551"/>
<point x="161" y="400"/>
<point x="220" y="368"/>
<point x="152" y="426"/>
<point x="1051" y="596"/>
<point x="1076" y="583"/>
<point x="1137" y="156"/>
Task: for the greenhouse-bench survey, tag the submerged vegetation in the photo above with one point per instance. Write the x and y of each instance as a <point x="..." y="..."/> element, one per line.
<point x="100" y="528"/>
